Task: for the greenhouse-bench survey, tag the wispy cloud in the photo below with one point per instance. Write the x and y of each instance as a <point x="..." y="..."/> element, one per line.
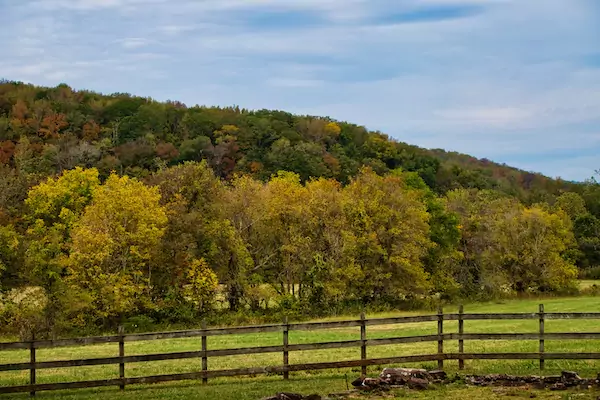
<point x="512" y="80"/>
<point x="497" y="116"/>
<point x="433" y="13"/>
<point x="133" y="43"/>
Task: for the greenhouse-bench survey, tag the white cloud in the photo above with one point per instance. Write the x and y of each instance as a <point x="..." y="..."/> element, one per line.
<point x="175" y="30"/>
<point x="294" y="83"/>
<point x="133" y="43"/>
<point x="499" y="116"/>
<point x="88" y="5"/>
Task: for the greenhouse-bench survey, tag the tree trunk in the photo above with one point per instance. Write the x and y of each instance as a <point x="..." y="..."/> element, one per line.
<point x="235" y="290"/>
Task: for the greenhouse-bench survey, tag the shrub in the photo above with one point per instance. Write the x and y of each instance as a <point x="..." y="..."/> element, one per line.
<point x="22" y="311"/>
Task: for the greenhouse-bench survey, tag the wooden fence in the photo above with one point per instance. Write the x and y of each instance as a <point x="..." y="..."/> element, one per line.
<point x="285" y="348"/>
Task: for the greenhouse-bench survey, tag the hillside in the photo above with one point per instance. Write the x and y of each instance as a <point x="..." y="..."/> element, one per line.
<point x="46" y="130"/>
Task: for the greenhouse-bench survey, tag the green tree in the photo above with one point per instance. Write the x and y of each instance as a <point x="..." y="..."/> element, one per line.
<point x="305" y="159"/>
<point x="509" y="246"/>
<point x="572" y="204"/>
<point x="13" y="191"/>
<point x="586" y="229"/>
<point x="199" y="229"/>
<point x="443" y="256"/>
<point x="9" y="248"/>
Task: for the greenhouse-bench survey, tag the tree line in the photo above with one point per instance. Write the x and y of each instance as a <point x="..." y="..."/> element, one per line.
<point x="176" y="244"/>
<point x="115" y="207"/>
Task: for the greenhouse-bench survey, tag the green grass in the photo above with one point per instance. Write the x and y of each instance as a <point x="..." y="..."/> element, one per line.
<point x="257" y="388"/>
<point x="324" y="381"/>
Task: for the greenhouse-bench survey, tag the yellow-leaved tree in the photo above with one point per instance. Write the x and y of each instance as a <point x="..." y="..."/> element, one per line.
<point x="113" y="243"/>
<point x="327" y="276"/>
<point x="509" y="247"/>
<point x="531" y="246"/>
<point x="53" y="207"/>
<point x="386" y="237"/>
<point x="202" y="284"/>
<point x="285" y="229"/>
<point x="198" y="229"/>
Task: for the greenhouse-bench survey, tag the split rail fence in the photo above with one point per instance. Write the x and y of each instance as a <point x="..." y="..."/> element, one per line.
<point x="285" y="348"/>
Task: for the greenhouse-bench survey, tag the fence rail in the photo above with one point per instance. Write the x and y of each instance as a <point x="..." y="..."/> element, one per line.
<point x="285" y="348"/>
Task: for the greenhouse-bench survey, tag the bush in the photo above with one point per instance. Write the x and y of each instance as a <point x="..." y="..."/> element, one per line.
<point x="22" y="311"/>
<point x="139" y="323"/>
<point x="590" y="273"/>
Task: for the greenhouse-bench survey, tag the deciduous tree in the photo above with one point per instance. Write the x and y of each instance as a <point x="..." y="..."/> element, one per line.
<point x="113" y="244"/>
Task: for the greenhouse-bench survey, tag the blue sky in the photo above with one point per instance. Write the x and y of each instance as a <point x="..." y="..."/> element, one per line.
<point x="515" y="81"/>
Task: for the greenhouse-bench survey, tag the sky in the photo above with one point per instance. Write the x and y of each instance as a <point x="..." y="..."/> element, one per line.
<point x="514" y="81"/>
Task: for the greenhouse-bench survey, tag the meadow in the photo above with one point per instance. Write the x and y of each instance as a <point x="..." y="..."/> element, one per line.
<point x="324" y="382"/>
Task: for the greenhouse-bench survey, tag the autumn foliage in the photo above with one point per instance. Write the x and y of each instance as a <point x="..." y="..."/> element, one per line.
<point x="115" y="207"/>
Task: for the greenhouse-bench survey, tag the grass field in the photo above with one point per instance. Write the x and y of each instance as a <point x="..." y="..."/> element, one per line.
<point x="325" y="381"/>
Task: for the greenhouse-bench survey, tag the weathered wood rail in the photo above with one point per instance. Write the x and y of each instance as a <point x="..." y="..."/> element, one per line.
<point x="285" y="348"/>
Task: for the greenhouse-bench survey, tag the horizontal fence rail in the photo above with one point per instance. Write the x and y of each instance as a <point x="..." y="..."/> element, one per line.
<point x="285" y="348"/>
<point x="39" y="344"/>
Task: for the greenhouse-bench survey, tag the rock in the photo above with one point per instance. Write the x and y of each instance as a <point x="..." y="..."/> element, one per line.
<point x="438" y="375"/>
<point x="363" y="383"/>
<point x="358" y="381"/>
<point x="403" y="371"/>
<point x="417" y="383"/>
<point x="549" y="380"/>
<point x="289" y="396"/>
<point x="400" y="375"/>
<point x="313" y="397"/>
<point x="533" y="379"/>
<point x="414" y="378"/>
<point x="371" y="384"/>
<point x="494" y="377"/>
<point x="570" y="376"/>
<point x="558" y="386"/>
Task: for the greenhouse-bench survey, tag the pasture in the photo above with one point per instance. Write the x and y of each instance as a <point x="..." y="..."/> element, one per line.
<point x="331" y="380"/>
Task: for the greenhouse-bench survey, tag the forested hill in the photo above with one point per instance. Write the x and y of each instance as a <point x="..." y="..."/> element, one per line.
<point x="119" y="208"/>
<point x="47" y="130"/>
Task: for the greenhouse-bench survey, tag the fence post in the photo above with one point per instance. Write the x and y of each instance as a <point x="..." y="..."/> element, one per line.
<point x="461" y="330"/>
<point x="440" y="338"/>
<point x="363" y="344"/>
<point x="541" y="336"/>
<point x="204" y="357"/>
<point x="121" y="355"/>
<point x="286" y="373"/>
<point x="32" y="362"/>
